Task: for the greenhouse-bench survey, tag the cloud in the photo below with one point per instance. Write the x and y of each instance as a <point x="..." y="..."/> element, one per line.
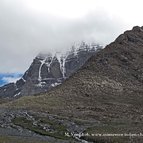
<point x="10" y="79"/>
<point x="25" y="33"/>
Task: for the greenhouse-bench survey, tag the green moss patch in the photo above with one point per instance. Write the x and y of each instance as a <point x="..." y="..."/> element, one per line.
<point x="58" y="130"/>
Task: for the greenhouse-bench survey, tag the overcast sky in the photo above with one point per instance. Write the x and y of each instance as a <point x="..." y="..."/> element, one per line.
<point x="28" y="27"/>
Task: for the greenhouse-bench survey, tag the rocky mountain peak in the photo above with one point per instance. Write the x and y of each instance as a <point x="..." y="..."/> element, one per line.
<point x="132" y="36"/>
<point x="49" y="70"/>
<point x="137" y="29"/>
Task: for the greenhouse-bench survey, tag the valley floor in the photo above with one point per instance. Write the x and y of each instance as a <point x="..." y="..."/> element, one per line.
<point x="20" y="126"/>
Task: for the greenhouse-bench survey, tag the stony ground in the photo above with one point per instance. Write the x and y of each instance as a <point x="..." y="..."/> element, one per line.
<point x="20" y="126"/>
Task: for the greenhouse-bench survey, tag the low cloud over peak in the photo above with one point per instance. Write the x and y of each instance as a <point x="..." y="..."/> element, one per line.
<point x="23" y="34"/>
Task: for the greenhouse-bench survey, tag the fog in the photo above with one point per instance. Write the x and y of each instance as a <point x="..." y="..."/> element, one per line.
<point x="24" y="31"/>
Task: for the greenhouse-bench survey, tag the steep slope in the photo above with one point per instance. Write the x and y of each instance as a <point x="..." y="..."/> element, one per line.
<point x="114" y="71"/>
<point x="48" y="71"/>
<point x="108" y="89"/>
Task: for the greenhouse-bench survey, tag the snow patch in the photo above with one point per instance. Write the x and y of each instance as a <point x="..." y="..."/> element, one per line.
<point x="49" y="62"/>
<point x="61" y="58"/>
<point x="63" y="67"/>
<point x="41" y="84"/>
<point x="23" y="79"/>
<point x="42" y="63"/>
<point x="17" y="94"/>
<point x="55" y="84"/>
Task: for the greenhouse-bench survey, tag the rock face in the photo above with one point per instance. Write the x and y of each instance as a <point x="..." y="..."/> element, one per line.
<point x="48" y="71"/>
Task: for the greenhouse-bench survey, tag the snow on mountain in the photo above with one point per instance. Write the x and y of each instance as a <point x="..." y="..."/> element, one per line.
<point x="48" y="71"/>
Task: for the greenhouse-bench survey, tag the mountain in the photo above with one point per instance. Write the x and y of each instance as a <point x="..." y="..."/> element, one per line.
<point x="105" y="96"/>
<point x="48" y="71"/>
